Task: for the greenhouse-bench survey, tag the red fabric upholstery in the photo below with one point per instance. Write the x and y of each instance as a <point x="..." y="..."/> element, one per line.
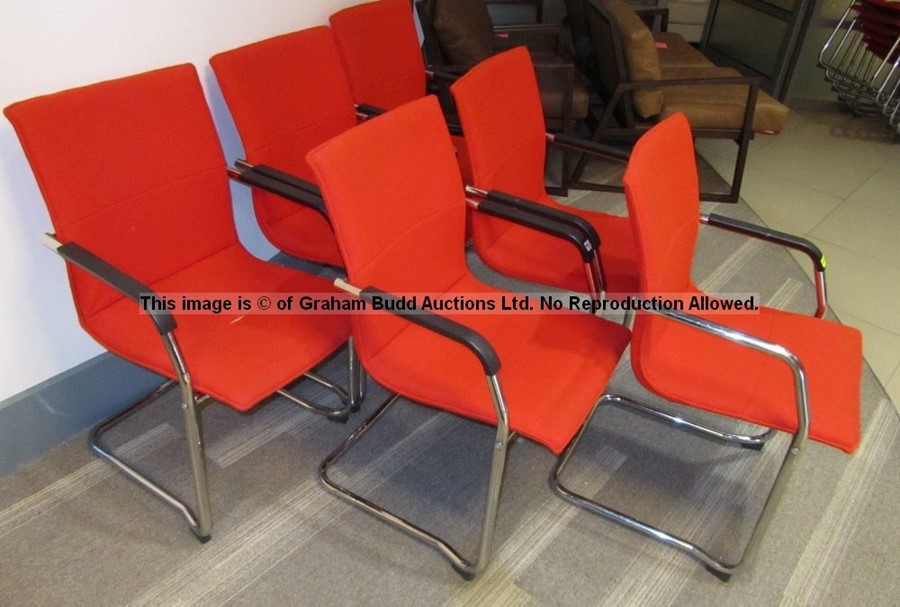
<point x="691" y="367"/>
<point x="287" y="95"/>
<point x="385" y="70"/>
<point x="554" y="366"/>
<point x="380" y="49"/>
<point x="131" y="169"/>
<point x="500" y="111"/>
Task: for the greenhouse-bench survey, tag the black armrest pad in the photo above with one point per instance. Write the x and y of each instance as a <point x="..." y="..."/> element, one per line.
<point x="590" y="147"/>
<point x="446" y="327"/>
<point x="370" y="110"/>
<point x="769" y="235"/>
<point x="446" y="75"/>
<point x="588" y="236"/>
<point x="118" y="280"/>
<point x="285" y="185"/>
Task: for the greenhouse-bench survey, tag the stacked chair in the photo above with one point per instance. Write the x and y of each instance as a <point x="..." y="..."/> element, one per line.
<point x="861" y="59"/>
<point x="157" y="220"/>
<point x="385" y="201"/>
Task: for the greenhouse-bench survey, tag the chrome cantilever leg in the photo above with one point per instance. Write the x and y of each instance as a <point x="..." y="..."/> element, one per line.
<point x="467" y="569"/>
<point x="721" y="569"/>
<point x="201" y="522"/>
<point x="351" y="397"/>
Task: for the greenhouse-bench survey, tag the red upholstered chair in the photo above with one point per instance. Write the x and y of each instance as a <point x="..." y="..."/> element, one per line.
<point x="500" y="111"/>
<point x="287" y="95"/>
<point x="784" y="371"/>
<point x="544" y="371"/>
<point x="135" y="183"/>
<point x="386" y="71"/>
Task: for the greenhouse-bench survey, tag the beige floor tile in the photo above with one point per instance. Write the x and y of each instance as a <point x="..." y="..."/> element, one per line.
<point x="784" y="204"/>
<point x="882" y="191"/>
<point x="824" y="167"/>
<point x="863" y="286"/>
<point x="863" y="230"/>
<point x="805" y="263"/>
<point x="860" y="139"/>
<point x="881" y="348"/>
<point x="729" y="149"/>
<point x="892" y="166"/>
<point x="893" y="390"/>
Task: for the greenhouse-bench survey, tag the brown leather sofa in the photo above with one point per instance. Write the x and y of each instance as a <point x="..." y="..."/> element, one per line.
<point x="645" y="76"/>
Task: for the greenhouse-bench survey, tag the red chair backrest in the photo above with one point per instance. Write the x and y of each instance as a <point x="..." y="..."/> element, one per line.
<point x="287" y="95"/>
<point x="132" y="170"/>
<point x="499" y="107"/>
<point x="380" y="49"/>
<point x="663" y="196"/>
<point x="392" y="189"/>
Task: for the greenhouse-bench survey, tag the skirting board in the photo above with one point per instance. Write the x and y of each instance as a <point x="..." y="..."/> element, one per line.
<point x="55" y="410"/>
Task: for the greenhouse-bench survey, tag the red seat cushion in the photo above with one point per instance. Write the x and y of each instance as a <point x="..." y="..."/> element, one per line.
<point x="500" y="111"/>
<point x="237" y="359"/>
<point x="553" y="366"/>
<point x="288" y="94"/>
<point x="692" y="367"/>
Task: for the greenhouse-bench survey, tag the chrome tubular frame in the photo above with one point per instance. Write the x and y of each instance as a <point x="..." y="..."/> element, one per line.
<point x="594" y="272"/>
<point x="200" y="522"/>
<point x="467" y="569"/>
<point x="716" y="566"/>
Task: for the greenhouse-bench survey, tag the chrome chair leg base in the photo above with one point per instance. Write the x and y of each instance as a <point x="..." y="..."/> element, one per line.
<point x="725" y="577"/>
<point x="717" y="567"/>
<point x="198" y="523"/>
<point x="466" y="575"/>
<point x="351" y="397"/>
<point x="468" y="570"/>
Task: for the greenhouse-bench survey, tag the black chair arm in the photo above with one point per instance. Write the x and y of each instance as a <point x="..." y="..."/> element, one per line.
<point x="114" y="277"/>
<point x="769" y="235"/>
<point x="275" y="181"/>
<point x="565" y="225"/>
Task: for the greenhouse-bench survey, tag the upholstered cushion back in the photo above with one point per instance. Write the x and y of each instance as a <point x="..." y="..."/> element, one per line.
<point x="129" y="169"/>
<point x="379" y="46"/>
<point x="641" y="59"/>
<point x="464" y="30"/>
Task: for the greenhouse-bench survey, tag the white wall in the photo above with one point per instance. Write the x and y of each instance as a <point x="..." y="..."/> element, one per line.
<point x="50" y="45"/>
